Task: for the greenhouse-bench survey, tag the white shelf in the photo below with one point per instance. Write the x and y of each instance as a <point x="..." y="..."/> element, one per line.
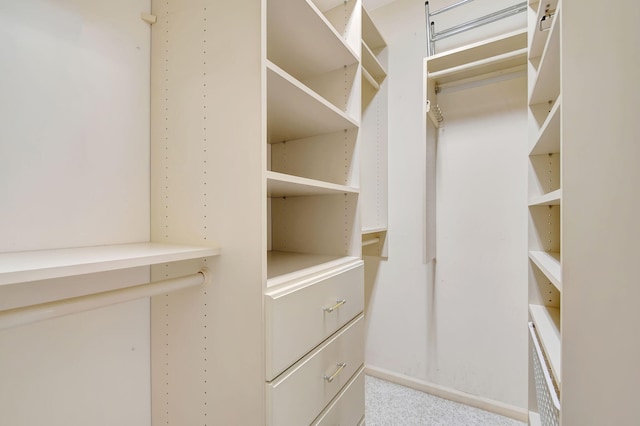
<point x="376" y="230"/>
<point x="294" y="111"/>
<point x="286" y="266"/>
<point x="28" y="266"/>
<point x="539" y="38"/>
<point x="283" y="185"/>
<point x="372" y="65"/>
<point x="302" y="40"/>
<point x="550" y="265"/>
<point x="547" y="83"/>
<point x="370" y="34"/>
<point x="548" y="140"/>
<point x="490" y="56"/>
<point x="547" y="322"/>
<point x="553" y="198"/>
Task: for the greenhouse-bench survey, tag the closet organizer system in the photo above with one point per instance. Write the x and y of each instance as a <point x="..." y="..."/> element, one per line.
<point x="264" y="117"/>
<point x="538" y="48"/>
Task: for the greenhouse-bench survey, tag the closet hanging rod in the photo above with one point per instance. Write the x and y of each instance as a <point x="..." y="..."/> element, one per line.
<point x="483" y="20"/>
<point x="31" y="314"/>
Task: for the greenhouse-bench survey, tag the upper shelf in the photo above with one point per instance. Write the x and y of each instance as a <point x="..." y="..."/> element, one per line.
<point x="371" y="64"/>
<point x="283" y="185"/>
<point x="552" y="198"/>
<point x="370" y="34"/>
<point x="546" y="86"/>
<point x="301" y="40"/>
<point x="477" y="59"/>
<point x="294" y="111"/>
<point x="28" y="266"/>
<point x="548" y="140"/>
<point x="550" y="265"/>
<point x="539" y="37"/>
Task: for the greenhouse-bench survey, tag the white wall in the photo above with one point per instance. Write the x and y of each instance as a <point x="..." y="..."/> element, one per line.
<point x="74" y="171"/>
<point x="459" y="323"/>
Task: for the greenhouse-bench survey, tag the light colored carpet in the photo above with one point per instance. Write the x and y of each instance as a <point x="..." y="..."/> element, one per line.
<point x="388" y="404"/>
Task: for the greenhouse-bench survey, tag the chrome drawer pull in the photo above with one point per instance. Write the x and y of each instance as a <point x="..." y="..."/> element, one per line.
<point x="341" y="366"/>
<point x="336" y="306"/>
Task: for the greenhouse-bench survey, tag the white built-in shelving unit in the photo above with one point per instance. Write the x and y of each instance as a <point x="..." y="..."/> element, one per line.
<point x="545" y="204"/>
<point x="284" y="328"/>
<point x="374" y="131"/>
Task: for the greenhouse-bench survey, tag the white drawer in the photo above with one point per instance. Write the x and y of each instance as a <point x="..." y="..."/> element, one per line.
<point x="298" y="316"/>
<point x="299" y="395"/>
<point x="347" y="409"/>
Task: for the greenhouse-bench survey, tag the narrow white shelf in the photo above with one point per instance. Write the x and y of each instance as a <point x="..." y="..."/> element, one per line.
<point x="375" y="230"/>
<point x="547" y="83"/>
<point x="294" y="111"/>
<point x="372" y="65"/>
<point x="286" y="266"/>
<point x="547" y="322"/>
<point x="550" y="265"/>
<point x="28" y="266"/>
<point x="490" y="56"/>
<point x="370" y="34"/>
<point x="548" y="140"/>
<point x="301" y="40"/>
<point x="539" y="38"/>
<point x="283" y="185"/>
<point x="553" y="198"/>
<point x="369" y="79"/>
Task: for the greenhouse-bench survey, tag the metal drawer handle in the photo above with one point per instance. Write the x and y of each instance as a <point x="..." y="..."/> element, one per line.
<point x="341" y="366"/>
<point x="336" y="306"/>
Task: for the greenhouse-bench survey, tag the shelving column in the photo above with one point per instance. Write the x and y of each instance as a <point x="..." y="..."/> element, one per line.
<point x="545" y="200"/>
<point x="374" y="130"/>
<point x="313" y="283"/>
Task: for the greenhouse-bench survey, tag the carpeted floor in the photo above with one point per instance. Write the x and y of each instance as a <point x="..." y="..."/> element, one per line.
<point x="388" y="404"/>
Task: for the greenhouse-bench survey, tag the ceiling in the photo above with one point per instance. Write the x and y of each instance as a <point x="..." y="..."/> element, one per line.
<point x="373" y="4"/>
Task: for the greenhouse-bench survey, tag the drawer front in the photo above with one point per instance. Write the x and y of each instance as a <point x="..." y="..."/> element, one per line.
<point x="299" y="395"/>
<point x="348" y="407"/>
<point x="296" y="321"/>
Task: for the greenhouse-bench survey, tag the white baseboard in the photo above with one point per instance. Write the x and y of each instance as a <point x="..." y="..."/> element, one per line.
<point x="486" y="404"/>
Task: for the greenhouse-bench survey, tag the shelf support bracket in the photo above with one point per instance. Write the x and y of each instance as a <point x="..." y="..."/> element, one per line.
<point x="149" y="18"/>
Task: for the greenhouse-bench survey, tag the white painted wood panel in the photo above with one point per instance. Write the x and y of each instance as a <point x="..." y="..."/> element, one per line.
<point x="209" y="188"/>
<point x="600" y="205"/>
<point x="296" y="317"/>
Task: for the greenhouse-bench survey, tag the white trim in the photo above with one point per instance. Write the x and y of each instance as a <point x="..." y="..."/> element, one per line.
<point x="486" y="404"/>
